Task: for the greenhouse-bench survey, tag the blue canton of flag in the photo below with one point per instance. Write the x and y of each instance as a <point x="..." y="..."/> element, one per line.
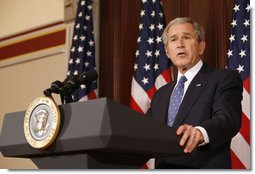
<point x="239" y="49"/>
<point x="151" y="59"/>
<point x="82" y="54"/>
<point x="239" y="60"/>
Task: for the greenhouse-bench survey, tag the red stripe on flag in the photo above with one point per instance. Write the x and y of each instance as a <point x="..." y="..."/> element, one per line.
<point x="246" y="84"/>
<point x="145" y="166"/>
<point x="245" y="129"/>
<point x="135" y="106"/>
<point x="151" y="92"/>
<point x="236" y="163"/>
<point x="92" y="95"/>
<point x="167" y="75"/>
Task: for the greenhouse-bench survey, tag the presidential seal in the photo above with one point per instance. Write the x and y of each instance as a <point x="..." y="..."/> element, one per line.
<point x="41" y="122"/>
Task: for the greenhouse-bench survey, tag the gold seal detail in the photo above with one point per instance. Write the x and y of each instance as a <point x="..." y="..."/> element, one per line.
<point x="41" y="122"/>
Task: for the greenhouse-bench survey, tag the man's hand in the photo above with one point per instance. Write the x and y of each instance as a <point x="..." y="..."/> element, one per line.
<point x="191" y="137"/>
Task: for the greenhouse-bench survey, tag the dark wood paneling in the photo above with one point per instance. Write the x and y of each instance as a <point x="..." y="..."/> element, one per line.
<point x="216" y="21"/>
<point x="106" y="49"/>
<point x="118" y="35"/>
<point x="119" y="30"/>
<point x="117" y="47"/>
<point x="172" y="9"/>
<point x="129" y="34"/>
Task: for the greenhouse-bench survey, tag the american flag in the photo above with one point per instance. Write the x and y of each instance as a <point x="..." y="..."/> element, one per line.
<point x="239" y="60"/>
<point x="82" y="53"/>
<point x="152" y="68"/>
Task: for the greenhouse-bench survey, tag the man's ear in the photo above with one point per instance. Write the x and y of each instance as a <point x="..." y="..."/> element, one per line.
<point x="202" y="46"/>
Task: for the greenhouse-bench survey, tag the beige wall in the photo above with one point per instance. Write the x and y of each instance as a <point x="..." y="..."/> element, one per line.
<point x="21" y="15"/>
<point x="24" y="77"/>
<point x="23" y="83"/>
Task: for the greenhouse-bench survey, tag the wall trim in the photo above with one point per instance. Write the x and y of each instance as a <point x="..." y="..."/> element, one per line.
<point x="33" y="44"/>
<point x="31" y="30"/>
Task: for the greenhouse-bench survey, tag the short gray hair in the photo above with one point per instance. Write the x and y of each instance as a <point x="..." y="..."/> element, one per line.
<point x="199" y="30"/>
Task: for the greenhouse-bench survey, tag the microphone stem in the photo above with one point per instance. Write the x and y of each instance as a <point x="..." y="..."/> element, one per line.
<point x="66" y="98"/>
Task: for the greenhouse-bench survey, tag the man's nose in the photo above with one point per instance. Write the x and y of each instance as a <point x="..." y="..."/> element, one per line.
<point x="180" y="43"/>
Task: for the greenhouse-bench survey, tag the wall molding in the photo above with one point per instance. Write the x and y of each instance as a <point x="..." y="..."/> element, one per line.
<point x="33" y="44"/>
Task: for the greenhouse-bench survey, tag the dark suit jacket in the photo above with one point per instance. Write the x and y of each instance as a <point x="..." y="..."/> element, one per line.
<point x="213" y="101"/>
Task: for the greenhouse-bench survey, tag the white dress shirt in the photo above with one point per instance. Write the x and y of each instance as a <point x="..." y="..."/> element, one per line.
<point x="190" y="74"/>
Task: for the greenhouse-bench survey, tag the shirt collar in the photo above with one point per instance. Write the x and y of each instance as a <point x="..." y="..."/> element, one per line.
<point x="190" y="74"/>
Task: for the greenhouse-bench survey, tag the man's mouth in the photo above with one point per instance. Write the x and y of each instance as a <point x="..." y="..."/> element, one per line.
<point x="181" y="54"/>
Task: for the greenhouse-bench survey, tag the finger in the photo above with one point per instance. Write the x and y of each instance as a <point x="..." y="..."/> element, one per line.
<point x="185" y="137"/>
<point x="192" y="143"/>
<point x="183" y="140"/>
<point x="181" y="130"/>
<point x="194" y="140"/>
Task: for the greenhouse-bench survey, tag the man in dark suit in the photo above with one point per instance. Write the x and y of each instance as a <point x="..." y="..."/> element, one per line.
<point x="205" y="108"/>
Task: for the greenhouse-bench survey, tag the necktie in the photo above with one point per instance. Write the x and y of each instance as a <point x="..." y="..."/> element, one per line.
<point x="175" y="101"/>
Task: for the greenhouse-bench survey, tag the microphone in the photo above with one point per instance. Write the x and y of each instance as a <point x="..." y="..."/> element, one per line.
<point x="55" y="87"/>
<point x="74" y="83"/>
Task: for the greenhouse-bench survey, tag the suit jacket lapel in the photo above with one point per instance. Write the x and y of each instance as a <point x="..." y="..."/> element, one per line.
<point x="194" y="90"/>
<point x="165" y="102"/>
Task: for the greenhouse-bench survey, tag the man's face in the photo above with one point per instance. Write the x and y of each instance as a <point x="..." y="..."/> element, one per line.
<point x="183" y="48"/>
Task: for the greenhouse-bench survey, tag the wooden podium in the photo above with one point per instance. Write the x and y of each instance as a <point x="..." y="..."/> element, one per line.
<point x="96" y="134"/>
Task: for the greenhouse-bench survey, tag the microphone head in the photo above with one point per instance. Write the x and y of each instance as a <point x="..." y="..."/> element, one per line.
<point x="69" y="85"/>
<point x="89" y="77"/>
<point x="55" y="86"/>
<point x="47" y="92"/>
<point x="74" y="82"/>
